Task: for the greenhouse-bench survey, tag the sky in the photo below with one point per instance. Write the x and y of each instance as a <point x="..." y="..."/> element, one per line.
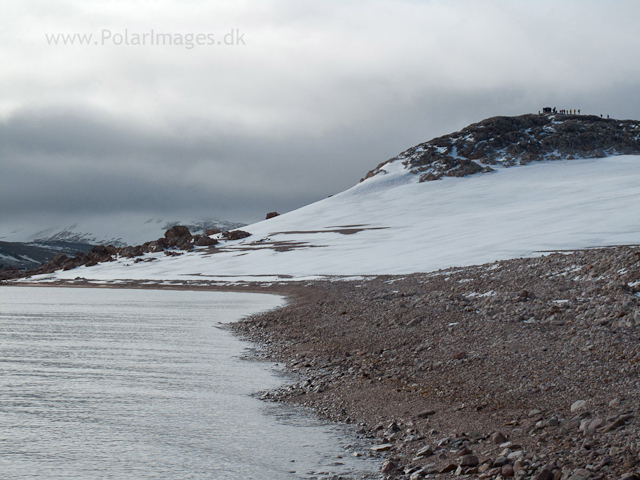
<point x="232" y="109"/>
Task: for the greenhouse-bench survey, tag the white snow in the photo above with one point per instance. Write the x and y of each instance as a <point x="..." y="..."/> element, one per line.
<point x="390" y="224"/>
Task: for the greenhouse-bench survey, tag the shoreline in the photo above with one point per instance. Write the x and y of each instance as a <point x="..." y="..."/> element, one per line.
<point x="478" y="371"/>
<point x="525" y="368"/>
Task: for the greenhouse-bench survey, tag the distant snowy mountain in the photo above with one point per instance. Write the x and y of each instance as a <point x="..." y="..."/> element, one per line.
<point x="396" y="222"/>
<point x="117" y="230"/>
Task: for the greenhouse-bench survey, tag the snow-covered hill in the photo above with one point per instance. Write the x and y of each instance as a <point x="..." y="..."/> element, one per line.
<point x="392" y="224"/>
<point x="117" y="230"/>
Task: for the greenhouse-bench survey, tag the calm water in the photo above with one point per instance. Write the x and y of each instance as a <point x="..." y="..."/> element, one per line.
<point x="133" y="384"/>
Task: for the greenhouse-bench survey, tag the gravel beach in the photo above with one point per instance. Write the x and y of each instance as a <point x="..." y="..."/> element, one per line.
<point x="526" y="368"/>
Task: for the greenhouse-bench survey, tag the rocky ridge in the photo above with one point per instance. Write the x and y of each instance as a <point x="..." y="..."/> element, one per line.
<point x="520" y="140"/>
<point x="175" y="239"/>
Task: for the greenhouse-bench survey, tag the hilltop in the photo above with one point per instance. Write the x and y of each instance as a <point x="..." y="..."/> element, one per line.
<point x="508" y="141"/>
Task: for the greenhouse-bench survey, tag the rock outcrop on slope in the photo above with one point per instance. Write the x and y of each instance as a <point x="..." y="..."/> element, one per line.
<point x="176" y="238"/>
<point x="508" y="141"/>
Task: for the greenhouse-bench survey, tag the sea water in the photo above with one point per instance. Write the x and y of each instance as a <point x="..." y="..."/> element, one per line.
<point x="134" y="384"/>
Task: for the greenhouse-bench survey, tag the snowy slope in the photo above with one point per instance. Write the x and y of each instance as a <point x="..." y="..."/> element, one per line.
<point x="118" y="230"/>
<point x="390" y="224"/>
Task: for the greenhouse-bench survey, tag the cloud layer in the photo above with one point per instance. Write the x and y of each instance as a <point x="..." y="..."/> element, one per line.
<point x="321" y="93"/>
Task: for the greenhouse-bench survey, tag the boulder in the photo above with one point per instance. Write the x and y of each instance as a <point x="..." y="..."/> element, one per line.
<point x="235" y="235"/>
<point x="177" y="231"/>
<point x="388" y="467"/>
<point x="429" y="177"/>
<point x="205" y="241"/>
<point x="469" y="460"/>
<point x="130" y="252"/>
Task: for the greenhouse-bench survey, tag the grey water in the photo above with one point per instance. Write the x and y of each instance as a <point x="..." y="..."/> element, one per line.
<point x="135" y="384"/>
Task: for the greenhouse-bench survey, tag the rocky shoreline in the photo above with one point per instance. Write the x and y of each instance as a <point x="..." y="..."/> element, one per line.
<point x="525" y="368"/>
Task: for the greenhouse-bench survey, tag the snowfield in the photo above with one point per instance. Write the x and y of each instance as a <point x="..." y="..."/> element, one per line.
<point x="390" y="224"/>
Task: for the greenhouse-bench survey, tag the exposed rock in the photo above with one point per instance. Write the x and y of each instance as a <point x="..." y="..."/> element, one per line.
<point x="389" y="466"/>
<point x="382" y="447"/>
<point x="417" y="475"/>
<point x="271" y="215"/>
<point x="449" y="468"/>
<point x="176" y="237"/>
<point x="578" y="405"/>
<point x="517" y="141"/>
<point x="426" y="413"/>
<point x="544" y="475"/>
<point x="205" y="241"/>
<point x="235" y="235"/>
<point x="469" y="461"/>
<point x="507" y="470"/>
<point x="498" y="438"/>
<point x="500" y="461"/>
<point x="177" y="231"/>
<point x="425" y="451"/>
<point x="617" y="423"/>
<point x="630" y="476"/>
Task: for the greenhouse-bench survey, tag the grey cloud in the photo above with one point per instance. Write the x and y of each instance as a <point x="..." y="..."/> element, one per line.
<point x="62" y="162"/>
<point x="320" y="96"/>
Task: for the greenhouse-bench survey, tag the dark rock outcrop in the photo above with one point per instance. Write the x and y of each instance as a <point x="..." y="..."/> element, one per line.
<point x="176" y="237"/>
<point x="177" y="231"/>
<point x="235" y="235"/>
<point x="271" y="215"/>
<point x="205" y="241"/>
<point x="519" y="140"/>
<point x="7" y="273"/>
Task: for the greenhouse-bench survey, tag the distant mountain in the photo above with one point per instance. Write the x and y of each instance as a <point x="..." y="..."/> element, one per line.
<point x="27" y="256"/>
<point x="119" y="231"/>
<point x="508" y="141"/>
<point x="396" y="221"/>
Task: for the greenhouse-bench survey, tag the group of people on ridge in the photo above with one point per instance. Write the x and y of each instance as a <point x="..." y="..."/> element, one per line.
<point x="563" y="111"/>
<point x="546" y="110"/>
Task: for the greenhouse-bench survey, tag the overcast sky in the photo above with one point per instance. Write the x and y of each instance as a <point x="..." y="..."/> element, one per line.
<point x="310" y="96"/>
